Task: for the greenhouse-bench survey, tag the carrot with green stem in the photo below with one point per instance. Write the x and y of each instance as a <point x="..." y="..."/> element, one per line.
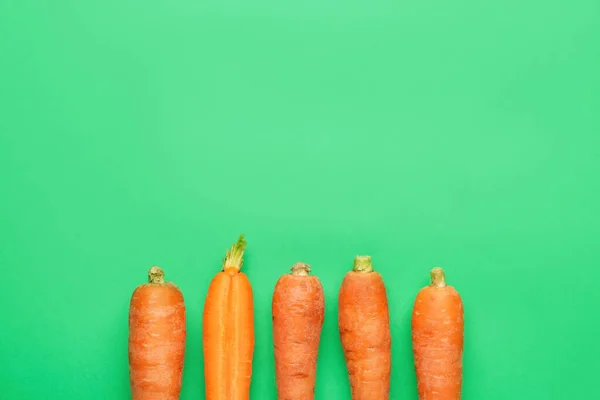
<point x="437" y="336"/>
<point x="298" y="310"/>
<point x="364" y="324"/>
<point x="228" y="330"/>
<point x="156" y="339"/>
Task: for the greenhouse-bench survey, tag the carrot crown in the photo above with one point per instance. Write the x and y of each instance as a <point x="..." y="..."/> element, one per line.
<point x="300" y="269"/>
<point x="156" y="275"/>
<point x="234" y="257"/>
<point x="362" y="264"/>
<point x="437" y="277"/>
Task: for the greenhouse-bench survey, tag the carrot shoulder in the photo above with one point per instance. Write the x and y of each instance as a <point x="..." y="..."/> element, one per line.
<point x="298" y="309"/>
<point x="364" y="325"/>
<point x="156" y="339"/>
<point x="228" y="330"/>
<point x="437" y="335"/>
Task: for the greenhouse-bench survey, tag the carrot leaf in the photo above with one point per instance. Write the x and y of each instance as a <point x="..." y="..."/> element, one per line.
<point x="234" y="257"/>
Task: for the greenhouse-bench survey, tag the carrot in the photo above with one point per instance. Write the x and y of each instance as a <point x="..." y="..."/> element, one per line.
<point x="228" y="330"/>
<point x="298" y="309"/>
<point x="364" y="325"/>
<point x="156" y="339"/>
<point x="437" y="336"/>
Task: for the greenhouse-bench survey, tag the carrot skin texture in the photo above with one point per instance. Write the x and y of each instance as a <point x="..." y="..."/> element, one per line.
<point x="228" y="333"/>
<point x="298" y="311"/>
<point x="438" y="339"/>
<point x="157" y="334"/>
<point x="364" y="325"/>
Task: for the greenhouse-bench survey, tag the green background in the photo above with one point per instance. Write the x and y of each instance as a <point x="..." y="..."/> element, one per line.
<point x="464" y="134"/>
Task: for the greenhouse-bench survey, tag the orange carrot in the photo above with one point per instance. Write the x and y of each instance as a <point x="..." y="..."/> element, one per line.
<point x="228" y="330"/>
<point x="437" y="336"/>
<point x="298" y="309"/>
<point x="364" y="324"/>
<point x="156" y="339"/>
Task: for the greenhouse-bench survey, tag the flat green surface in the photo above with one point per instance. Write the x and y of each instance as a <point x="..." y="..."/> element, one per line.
<point x="464" y="134"/>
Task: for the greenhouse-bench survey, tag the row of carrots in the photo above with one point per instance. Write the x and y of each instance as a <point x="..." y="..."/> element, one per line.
<point x="157" y="326"/>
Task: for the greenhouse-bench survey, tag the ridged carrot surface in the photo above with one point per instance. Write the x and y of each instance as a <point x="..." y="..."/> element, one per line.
<point x="156" y="339"/>
<point x="298" y="309"/>
<point x="437" y="335"/>
<point x="364" y="325"/>
<point x="228" y="330"/>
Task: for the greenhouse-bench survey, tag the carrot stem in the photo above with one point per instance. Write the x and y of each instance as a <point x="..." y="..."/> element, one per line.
<point x="438" y="278"/>
<point x="363" y="264"/>
<point x="234" y="257"/>
<point x="156" y="275"/>
<point x="300" y="269"/>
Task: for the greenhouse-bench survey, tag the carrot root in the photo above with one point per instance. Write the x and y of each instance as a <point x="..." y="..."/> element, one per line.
<point x="157" y="334"/>
<point x="364" y="325"/>
<point x="298" y="310"/>
<point x="228" y="330"/>
<point x="437" y="336"/>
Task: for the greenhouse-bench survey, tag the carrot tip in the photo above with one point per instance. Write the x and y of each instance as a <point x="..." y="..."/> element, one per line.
<point x="438" y="279"/>
<point x="300" y="269"/>
<point x="156" y="275"/>
<point x="363" y="264"/>
<point x="235" y="256"/>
